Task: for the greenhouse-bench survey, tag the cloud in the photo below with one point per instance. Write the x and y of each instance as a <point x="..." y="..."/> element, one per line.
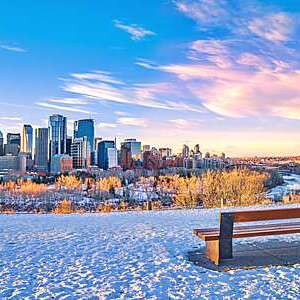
<point x="204" y="11"/>
<point x="180" y="123"/>
<point x="106" y="125"/>
<point x="60" y="107"/>
<point x="12" y="48"/>
<point x="214" y="51"/>
<point x="245" y="92"/>
<point x="140" y="122"/>
<point x="247" y="18"/>
<point x="11" y="118"/>
<point x="241" y="74"/>
<point x="136" y="32"/>
<point x="158" y="95"/>
<point x="72" y="101"/>
<point x="276" y="27"/>
<point x="121" y="113"/>
<point x="97" y="76"/>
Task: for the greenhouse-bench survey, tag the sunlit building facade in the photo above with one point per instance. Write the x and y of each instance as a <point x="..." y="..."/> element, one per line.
<point x="81" y="153"/>
<point x="27" y="139"/>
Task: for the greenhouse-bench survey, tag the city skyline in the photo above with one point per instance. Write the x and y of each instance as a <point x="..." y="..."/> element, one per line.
<point x="222" y="74"/>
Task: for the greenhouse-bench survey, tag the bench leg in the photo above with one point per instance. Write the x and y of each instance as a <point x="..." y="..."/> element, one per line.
<point x="219" y="249"/>
<point x="213" y="251"/>
<point x="225" y="248"/>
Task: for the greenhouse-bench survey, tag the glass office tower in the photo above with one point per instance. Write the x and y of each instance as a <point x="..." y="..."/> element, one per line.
<point x="84" y="128"/>
<point x="103" y="157"/>
<point x="1" y="144"/>
<point x="41" y="149"/>
<point x="57" y="135"/>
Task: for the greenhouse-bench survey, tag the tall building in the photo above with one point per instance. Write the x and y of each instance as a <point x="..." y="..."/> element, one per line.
<point x="103" y="153"/>
<point x="197" y="149"/>
<point x="57" y="135"/>
<point x="41" y="149"/>
<point x="146" y="148"/>
<point x="12" y="147"/>
<point x="185" y="151"/>
<point x="14" y="138"/>
<point x="135" y="148"/>
<point x="207" y="155"/>
<point x="13" y="163"/>
<point x="112" y="157"/>
<point x="151" y="160"/>
<point x="81" y="153"/>
<point x="27" y="139"/>
<point x="131" y="154"/>
<point x="165" y="152"/>
<point x="61" y="164"/>
<point x="1" y="144"/>
<point x="97" y="141"/>
<point x="68" y="145"/>
<point x="95" y="160"/>
<point x="84" y="128"/>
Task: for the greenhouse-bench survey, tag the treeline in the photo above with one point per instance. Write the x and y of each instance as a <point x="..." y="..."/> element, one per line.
<point x="238" y="187"/>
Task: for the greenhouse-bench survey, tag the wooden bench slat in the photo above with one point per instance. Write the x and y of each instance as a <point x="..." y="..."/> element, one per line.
<point x="250" y="231"/>
<point x="266" y="232"/>
<point x="265" y="215"/>
<point x="276" y="225"/>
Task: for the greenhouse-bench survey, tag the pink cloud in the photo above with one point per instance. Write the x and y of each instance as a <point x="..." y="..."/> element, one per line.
<point x="243" y="92"/>
<point x="276" y="27"/>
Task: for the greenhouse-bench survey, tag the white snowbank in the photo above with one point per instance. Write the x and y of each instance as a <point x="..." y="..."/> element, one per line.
<point x="135" y="255"/>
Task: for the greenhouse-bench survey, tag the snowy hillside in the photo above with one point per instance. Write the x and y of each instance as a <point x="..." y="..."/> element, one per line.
<point x="131" y="255"/>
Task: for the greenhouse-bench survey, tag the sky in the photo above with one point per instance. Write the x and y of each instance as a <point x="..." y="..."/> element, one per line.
<point x="221" y="73"/>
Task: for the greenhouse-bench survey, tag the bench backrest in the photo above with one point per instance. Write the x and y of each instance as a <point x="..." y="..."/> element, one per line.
<point x="227" y="219"/>
<point x="262" y="215"/>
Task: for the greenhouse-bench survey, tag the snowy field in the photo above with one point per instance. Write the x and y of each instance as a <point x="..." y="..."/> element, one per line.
<point x="135" y="255"/>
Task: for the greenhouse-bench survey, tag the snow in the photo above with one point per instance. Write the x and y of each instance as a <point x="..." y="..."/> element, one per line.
<point x="134" y="255"/>
<point x="291" y="184"/>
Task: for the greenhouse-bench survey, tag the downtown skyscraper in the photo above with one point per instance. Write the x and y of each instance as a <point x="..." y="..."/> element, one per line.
<point x="41" y="149"/>
<point x="27" y="139"/>
<point x="57" y="135"/>
<point x="1" y="144"/>
<point x="85" y="128"/>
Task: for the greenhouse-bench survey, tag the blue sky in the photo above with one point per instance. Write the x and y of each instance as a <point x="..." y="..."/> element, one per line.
<point x="224" y="74"/>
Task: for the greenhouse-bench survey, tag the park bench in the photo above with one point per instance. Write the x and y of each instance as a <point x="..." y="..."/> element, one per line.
<point x="219" y="240"/>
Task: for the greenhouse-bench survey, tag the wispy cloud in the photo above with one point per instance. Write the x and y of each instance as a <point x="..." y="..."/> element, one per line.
<point x="136" y="32"/>
<point x="60" y="107"/>
<point x="121" y="113"/>
<point x="71" y="101"/>
<point x="155" y="95"/>
<point x="106" y="125"/>
<point x="205" y="12"/>
<point x="140" y="122"/>
<point x="11" y="118"/>
<point x="239" y="92"/>
<point x="274" y="27"/>
<point x="12" y="48"/>
<point x="252" y="73"/>
<point x="97" y="76"/>
<point x="180" y="123"/>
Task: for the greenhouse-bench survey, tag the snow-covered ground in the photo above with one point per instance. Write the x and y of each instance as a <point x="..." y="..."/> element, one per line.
<point x="134" y="255"/>
<point x="291" y="184"/>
